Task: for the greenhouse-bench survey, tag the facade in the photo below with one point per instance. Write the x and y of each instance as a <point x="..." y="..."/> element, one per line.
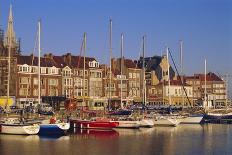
<point x="215" y="88"/>
<point x="27" y="81"/>
<point x="159" y="94"/>
<point x="9" y="50"/>
<point x="131" y="80"/>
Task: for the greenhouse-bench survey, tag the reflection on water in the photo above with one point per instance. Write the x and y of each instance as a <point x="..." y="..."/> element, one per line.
<point x="184" y="139"/>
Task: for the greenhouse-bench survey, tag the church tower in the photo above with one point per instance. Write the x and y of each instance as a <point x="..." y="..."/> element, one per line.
<point x="10" y="37"/>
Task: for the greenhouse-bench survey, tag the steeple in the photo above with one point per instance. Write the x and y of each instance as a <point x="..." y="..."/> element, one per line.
<point x="10" y="34"/>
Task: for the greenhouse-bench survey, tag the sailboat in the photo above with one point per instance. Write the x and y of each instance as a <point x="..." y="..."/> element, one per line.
<point x="92" y="123"/>
<point x="52" y="126"/>
<point x="145" y="121"/>
<point x="166" y="120"/>
<point x="15" y="125"/>
<point x="212" y="115"/>
<point x="190" y="118"/>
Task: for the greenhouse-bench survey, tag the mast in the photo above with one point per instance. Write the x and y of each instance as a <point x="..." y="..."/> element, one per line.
<point x="206" y="103"/>
<point x="9" y="37"/>
<point x="39" y="50"/>
<point x="169" y="97"/>
<point x="181" y="70"/>
<point x="121" y="66"/>
<point x="227" y="76"/>
<point x="144" y="79"/>
<point x="110" y="63"/>
<point x="162" y="80"/>
<point x="84" y="67"/>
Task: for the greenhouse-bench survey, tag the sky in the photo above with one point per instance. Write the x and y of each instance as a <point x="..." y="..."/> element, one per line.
<point x="205" y="26"/>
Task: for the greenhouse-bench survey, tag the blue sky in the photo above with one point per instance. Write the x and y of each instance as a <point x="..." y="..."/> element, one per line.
<point x="205" y="26"/>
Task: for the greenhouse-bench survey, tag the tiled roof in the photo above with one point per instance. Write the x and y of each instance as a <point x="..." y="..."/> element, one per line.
<point x="174" y="83"/>
<point x="209" y="77"/>
<point x="31" y="60"/>
<point x="57" y="61"/>
<point x="129" y="63"/>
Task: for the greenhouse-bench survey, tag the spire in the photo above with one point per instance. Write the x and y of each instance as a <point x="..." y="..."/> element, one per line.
<point x="10" y="34"/>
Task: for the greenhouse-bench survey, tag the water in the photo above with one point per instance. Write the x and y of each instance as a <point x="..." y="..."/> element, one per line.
<point x="184" y="139"/>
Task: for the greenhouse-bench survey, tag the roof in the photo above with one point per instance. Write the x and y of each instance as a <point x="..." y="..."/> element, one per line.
<point x="50" y="60"/>
<point x="174" y="83"/>
<point x="209" y="77"/>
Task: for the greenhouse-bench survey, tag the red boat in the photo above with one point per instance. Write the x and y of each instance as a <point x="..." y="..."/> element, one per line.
<point x="97" y="133"/>
<point x="93" y="124"/>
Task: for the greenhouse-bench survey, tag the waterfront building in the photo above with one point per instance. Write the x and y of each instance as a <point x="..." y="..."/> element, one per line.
<point x="131" y="80"/>
<point x="5" y="51"/>
<point x="158" y="94"/>
<point x="215" y="88"/>
<point x="27" y="81"/>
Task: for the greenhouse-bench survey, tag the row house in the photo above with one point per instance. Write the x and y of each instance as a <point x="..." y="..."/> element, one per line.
<point x="110" y="88"/>
<point x="159" y="94"/>
<point x="130" y="83"/>
<point x="27" y="79"/>
<point x="156" y="72"/>
<point x="215" y="88"/>
<point x="83" y="85"/>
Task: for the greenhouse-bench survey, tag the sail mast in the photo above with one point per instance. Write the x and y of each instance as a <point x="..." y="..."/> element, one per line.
<point x="181" y="70"/>
<point x="144" y="79"/>
<point x="84" y="68"/>
<point x="169" y="97"/>
<point x="206" y="103"/>
<point x="121" y="66"/>
<point x="39" y="50"/>
<point x="110" y="64"/>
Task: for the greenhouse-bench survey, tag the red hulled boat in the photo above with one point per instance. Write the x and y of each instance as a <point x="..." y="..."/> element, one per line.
<point x="93" y="124"/>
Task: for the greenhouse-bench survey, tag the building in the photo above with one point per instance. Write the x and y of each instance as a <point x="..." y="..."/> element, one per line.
<point x="27" y="82"/>
<point x="131" y="80"/>
<point x="215" y="88"/>
<point x="158" y="94"/>
<point x="9" y="50"/>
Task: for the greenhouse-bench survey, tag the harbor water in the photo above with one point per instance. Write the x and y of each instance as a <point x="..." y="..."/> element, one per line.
<point x="183" y="139"/>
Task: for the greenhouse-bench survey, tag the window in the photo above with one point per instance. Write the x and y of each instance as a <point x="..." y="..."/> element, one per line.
<point x="53" y="82"/>
<point x="24" y="80"/>
<point x="130" y="75"/>
<point x="43" y="70"/>
<point x="35" y="81"/>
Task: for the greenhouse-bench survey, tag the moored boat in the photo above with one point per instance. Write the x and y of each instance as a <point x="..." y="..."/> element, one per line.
<point x="53" y="128"/>
<point x="146" y="123"/>
<point x="217" y="116"/>
<point x="93" y="124"/>
<point x="192" y="119"/>
<point x="166" y="121"/>
<point x="128" y="124"/>
<point x="14" y="126"/>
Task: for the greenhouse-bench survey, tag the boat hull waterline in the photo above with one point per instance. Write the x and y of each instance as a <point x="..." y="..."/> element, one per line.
<point x="19" y="129"/>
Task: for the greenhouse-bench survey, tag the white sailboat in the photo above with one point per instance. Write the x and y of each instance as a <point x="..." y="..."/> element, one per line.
<point x="48" y="126"/>
<point x="125" y="122"/>
<point x="167" y="120"/>
<point x="15" y="125"/>
<point x="145" y="122"/>
<point x="189" y="119"/>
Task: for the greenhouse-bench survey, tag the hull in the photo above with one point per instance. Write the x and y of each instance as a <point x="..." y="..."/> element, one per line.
<point x="128" y="124"/>
<point x="82" y="124"/>
<point x="19" y="129"/>
<point x="97" y="133"/>
<point x="216" y="116"/>
<point x="192" y="119"/>
<point x="54" y="129"/>
<point x="147" y="123"/>
<point x="166" y="122"/>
